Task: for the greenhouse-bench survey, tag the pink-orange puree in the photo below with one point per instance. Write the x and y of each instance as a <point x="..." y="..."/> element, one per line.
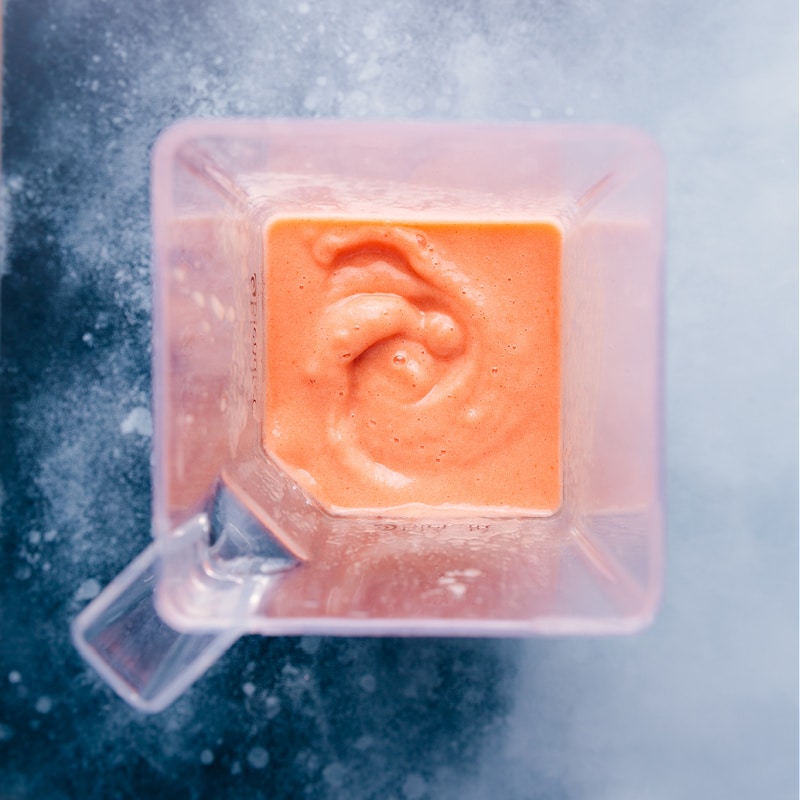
<point x="415" y="362"/>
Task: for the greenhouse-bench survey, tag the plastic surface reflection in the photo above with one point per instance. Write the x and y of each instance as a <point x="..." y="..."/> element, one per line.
<point x="433" y="575"/>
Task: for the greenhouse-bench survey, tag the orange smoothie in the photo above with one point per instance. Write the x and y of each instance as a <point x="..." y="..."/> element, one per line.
<point x="415" y="362"/>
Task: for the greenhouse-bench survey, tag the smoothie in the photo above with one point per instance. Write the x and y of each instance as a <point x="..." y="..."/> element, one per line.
<point x="415" y="362"/>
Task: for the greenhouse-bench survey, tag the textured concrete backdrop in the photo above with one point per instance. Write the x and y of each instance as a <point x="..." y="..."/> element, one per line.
<point x="704" y="704"/>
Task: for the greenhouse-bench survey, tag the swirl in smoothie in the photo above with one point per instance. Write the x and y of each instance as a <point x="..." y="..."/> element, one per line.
<point x="415" y="363"/>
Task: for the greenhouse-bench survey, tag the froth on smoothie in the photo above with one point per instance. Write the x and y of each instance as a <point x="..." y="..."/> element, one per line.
<point x="415" y="362"/>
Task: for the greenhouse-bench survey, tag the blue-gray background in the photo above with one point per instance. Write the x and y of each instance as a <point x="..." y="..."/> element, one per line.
<point x="704" y="704"/>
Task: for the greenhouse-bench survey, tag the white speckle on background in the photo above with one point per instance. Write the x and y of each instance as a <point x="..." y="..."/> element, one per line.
<point x="138" y="421"/>
<point x="310" y="644"/>
<point x="88" y="590"/>
<point x="15" y="184"/>
<point x="273" y="704"/>
<point x="370" y="71"/>
<point x="44" y="704"/>
<point x="368" y="683"/>
<point x="258" y="758"/>
<point x="249" y="688"/>
<point x="206" y="757"/>
<point x="414" y="787"/>
<point x="14" y="676"/>
<point x="334" y="774"/>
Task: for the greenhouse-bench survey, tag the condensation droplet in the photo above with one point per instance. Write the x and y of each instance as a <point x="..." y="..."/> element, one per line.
<point x="421" y="239"/>
<point x="217" y="307"/>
